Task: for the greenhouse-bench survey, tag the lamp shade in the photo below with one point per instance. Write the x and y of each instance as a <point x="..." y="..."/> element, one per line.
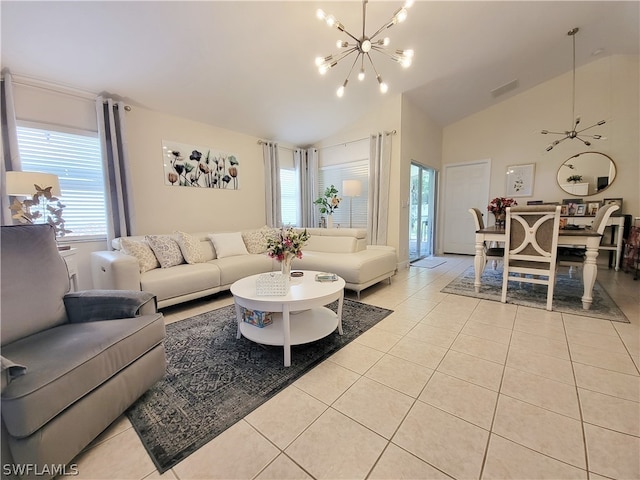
<point x="21" y="184"/>
<point x="351" y="188"/>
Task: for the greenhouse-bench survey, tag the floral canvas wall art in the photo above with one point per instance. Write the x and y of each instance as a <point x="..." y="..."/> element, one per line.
<point x="203" y="167"/>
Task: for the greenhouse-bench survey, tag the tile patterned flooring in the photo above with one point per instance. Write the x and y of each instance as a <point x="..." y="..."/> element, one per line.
<point x="445" y="387"/>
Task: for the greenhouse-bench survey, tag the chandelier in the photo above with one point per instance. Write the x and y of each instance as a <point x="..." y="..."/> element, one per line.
<point x="363" y="46"/>
<point x="574" y="133"/>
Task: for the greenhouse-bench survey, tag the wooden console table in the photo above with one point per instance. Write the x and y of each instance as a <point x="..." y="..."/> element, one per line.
<point x="616" y="223"/>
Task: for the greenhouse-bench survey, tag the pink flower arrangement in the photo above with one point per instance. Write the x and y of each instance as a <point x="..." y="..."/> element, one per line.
<point x="499" y="205"/>
<point x="286" y="242"/>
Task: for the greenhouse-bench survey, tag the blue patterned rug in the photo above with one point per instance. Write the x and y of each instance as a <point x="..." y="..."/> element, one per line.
<point x="566" y="295"/>
<point x="213" y="380"/>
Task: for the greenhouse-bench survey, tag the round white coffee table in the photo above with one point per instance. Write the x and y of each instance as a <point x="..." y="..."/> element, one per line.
<point x="299" y="317"/>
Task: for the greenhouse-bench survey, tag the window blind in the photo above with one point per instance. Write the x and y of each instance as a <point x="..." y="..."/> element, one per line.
<point x="76" y="159"/>
<point x="289" y="196"/>
<point x="334" y="175"/>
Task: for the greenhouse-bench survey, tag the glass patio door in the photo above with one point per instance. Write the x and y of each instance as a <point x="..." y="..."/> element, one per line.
<point x="421" y="211"/>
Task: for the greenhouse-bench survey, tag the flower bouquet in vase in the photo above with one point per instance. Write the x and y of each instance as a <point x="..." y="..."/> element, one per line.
<point x="285" y="245"/>
<point x="498" y="206"/>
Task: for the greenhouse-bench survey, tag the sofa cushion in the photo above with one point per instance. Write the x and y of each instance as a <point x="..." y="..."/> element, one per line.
<point x="240" y="266"/>
<point x="180" y="280"/>
<point x="68" y="361"/>
<point x="166" y="249"/>
<point x="142" y="251"/>
<point x="190" y="247"/>
<point x="228" y="244"/>
<point x="336" y="244"/>
<point x="356" y="268"/>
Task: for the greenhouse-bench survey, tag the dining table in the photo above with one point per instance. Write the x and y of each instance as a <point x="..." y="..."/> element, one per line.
<point x="577" y="237"/>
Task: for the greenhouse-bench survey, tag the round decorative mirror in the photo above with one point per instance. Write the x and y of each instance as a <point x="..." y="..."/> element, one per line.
<point x="586" y="174"/>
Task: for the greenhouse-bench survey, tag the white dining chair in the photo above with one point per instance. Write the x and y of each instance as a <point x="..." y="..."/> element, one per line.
<point x="531" y="246"/>
<point x="573" y="257"/>
<point x="496" y="253"/>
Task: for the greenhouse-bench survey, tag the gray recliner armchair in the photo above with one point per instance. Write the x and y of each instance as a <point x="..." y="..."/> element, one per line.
<point x="71" y="362"/>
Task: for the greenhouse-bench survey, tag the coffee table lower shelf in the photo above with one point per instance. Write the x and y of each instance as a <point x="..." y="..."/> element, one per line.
<point x="305" y="327"/>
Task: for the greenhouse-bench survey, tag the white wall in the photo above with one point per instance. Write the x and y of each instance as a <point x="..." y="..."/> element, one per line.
<point x="161" y="208"/>
<point x="417" y="138"/>
<point x="509" y="132"/>
<point x="421" y="142"/>
<point x="158" y="208"/>
<point x="384" y="117"/>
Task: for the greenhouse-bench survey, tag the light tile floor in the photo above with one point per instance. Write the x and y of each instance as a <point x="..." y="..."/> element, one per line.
<point x="445" y="387"/>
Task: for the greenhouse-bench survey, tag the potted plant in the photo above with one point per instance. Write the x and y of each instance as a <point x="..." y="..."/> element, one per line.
<point x="575" y="178"/>
<point x="328" y="202"/>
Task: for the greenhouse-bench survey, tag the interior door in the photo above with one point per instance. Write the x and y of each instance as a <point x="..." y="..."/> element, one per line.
<point x="466" y="185"/>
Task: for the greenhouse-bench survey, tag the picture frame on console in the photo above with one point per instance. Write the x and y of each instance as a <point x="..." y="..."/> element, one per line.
<point x="592" y="208"/>
<point x="614" y="201"/>
<point x="580" y="209"/>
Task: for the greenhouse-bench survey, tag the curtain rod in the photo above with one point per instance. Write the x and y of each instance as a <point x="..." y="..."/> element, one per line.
<point x="263" y="142"/>
<point x="392" y="132"/>
<point x="43" y="85"/>
<point x="60" y="89"/>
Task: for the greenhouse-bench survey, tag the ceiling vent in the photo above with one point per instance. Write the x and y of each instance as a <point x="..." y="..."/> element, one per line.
<point x="507" y="87"/>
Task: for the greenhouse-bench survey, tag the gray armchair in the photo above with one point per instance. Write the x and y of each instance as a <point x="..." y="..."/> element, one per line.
<point x="71" y="362"/>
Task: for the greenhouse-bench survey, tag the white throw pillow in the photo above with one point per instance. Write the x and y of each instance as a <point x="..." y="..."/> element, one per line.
<point x="228" y="244"/>
<point x="190" y="248"/>
<point x="146" y="259"/>
<point x="166" y="249"/>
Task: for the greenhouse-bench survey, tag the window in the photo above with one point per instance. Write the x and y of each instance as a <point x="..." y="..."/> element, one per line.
<point x="74" y="156"/>
<point x="334" y="175"/>
<point x="289" y="196"/>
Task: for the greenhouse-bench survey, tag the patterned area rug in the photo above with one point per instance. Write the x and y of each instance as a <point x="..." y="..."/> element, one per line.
<point x="213" y="380"/>
<point x="566" y="295"/>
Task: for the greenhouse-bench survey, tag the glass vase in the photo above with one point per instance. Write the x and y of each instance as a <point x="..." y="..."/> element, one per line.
<point x="285" y="264"/>
<point x="500" y="218"/>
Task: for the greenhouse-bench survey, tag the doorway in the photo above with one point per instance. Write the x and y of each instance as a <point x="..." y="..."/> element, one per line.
<point x="421" y="211"/>
<point x="465" y="185"/>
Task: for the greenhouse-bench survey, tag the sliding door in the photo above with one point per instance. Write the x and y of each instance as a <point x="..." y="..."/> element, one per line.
<point x="421" y="211"/>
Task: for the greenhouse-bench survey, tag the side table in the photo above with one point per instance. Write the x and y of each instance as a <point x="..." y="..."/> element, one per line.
<point x="69" y="257"/>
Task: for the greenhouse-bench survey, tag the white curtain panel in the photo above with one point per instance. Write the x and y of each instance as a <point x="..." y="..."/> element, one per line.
<point x="9" y="141"/>
<point x="115" y="160"/>
<point x="272" y="184"/>
<point x="306" y="163"/>
<point x="379" y="172"/>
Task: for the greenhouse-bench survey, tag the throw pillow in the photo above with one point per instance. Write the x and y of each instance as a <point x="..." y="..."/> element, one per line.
<point x="146" y="259"/>
<point x="228" y="244"/>
<point x="190" y="248"/>
<point x="166" y="249"/>
<point x="256" y="240"/>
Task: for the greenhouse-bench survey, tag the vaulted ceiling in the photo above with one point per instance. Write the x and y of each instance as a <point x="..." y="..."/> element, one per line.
<point x="248" y="66"/>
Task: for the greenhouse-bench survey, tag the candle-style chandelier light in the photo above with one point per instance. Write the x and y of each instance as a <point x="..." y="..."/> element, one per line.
<point x="573" y="133"/>
<point x="363" y="46"/>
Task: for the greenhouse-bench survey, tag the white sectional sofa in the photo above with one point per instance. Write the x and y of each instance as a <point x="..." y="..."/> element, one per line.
<point x="342" y="251"/>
